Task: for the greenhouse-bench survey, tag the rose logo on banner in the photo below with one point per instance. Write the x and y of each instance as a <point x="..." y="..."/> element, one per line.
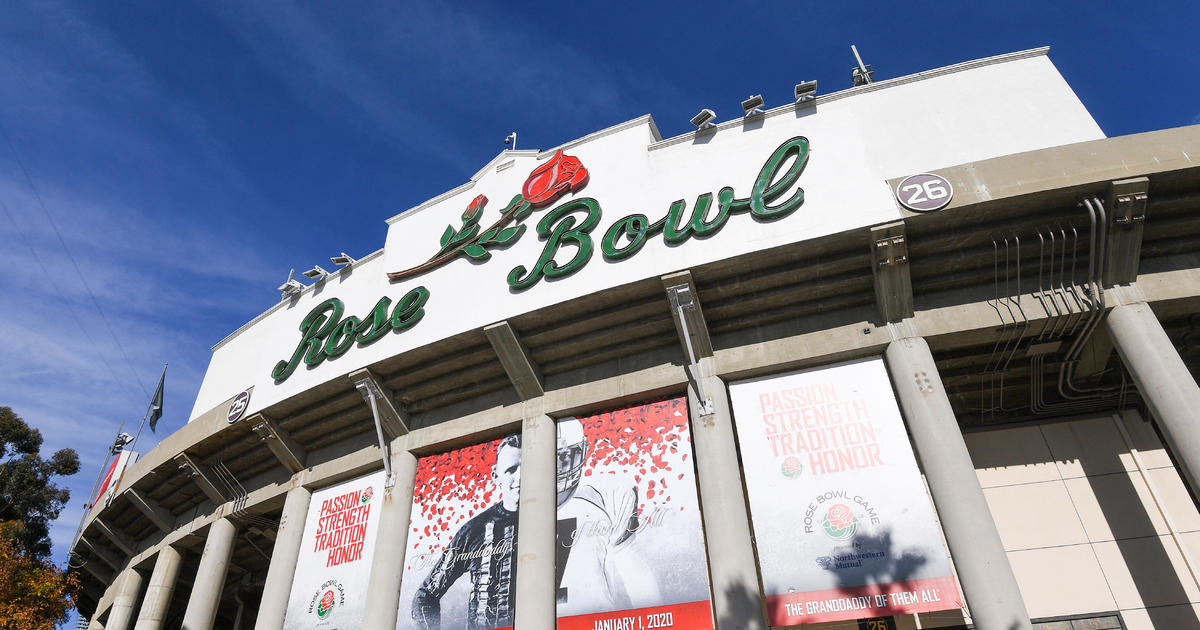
<point x="792" y="467"/>
<point x="368" y="493"/>
<point x="330" y="595"/>
<point x="326" y="605"/>
<point x="840" y="522"/>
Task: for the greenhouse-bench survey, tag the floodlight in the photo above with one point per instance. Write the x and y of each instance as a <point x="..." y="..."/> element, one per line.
<point x="753" y="105"/>
<point x="704" y="119"/>
<point x="316" y="273"/>
<point x="291" y="287"/>
<point x="862" y="74"/>
<point x="806" y="90"/>
<point x="342" y="261"/>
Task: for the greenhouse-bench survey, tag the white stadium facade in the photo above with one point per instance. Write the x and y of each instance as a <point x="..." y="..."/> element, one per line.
<point x="915" y="354"/>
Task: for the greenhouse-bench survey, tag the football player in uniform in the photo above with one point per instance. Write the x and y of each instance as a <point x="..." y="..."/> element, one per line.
<point x="600" y="567"/>
<point x="485" y="547"/>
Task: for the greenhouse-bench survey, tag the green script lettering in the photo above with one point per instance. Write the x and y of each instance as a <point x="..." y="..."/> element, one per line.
<point x="323" y="332"/>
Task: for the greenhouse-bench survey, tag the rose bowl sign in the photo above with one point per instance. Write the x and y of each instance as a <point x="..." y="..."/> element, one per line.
<point x="773" y="195"/>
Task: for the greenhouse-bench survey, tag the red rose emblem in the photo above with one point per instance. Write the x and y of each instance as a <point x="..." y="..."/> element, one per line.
<point x="475" y="209"/>
<point x="840" y="516"/>
<point x="553" y="179"/>
<point x="327" y="599"/>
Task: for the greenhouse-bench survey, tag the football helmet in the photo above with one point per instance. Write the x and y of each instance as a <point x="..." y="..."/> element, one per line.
<point x="572" y="454"/>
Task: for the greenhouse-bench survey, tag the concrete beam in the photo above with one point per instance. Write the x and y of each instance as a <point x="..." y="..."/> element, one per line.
<point x="697" y="327"/>
<point x="101" y="553"/>
<point x="286" y="450"/>
<point x="392" y="416"/>
<point x="524" y="373"/>
<point x="100" y="573"/>
<point x="202" y="476"/>
<point x="124" y="543"/>
<point x="160" y="516"/>
<point x="889" y="267"/>
<point x="1126" y="205"/>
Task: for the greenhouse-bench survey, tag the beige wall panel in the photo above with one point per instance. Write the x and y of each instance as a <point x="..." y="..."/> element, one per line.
<point x="1011" y="456"/>
<point x="1061" y="581"/>
<point x="1115" y="506"/>
<point x="1146" y="572"/>
<point x="1181" y="617"/>
<point x="1146" y="441"/>
<point x="1035" y="515"/>
<point x="1175" y="499"/>
<point x="1087" y="447"/>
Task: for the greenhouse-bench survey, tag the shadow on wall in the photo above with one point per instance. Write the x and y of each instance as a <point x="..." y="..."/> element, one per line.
<point x="1090" y="457"/>
<point x="743" y="609"/>
<point x="893" y="566"/>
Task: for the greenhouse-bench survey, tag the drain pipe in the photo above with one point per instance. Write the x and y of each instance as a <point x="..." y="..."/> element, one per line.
<point x="370" y="393"/>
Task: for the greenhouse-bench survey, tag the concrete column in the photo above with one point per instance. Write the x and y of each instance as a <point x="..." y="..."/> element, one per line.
<point x="737" y="594"/>
<point x="538" y="515"/>
<point x="201" y="610"/>
<point x="157" y="602"/>
<point x="983" y="570"/>
<point x="1162" y="379"/>
<point x="120" y="615"/>
<point x="391" y="542"/>
<point x="286" y="552"/>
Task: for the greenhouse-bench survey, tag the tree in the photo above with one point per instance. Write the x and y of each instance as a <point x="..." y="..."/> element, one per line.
<point x="26" y="492"/>
<point x="33" y="592"/>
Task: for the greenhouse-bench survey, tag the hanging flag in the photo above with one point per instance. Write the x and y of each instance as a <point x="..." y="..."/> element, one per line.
<point x="156" y="404"/>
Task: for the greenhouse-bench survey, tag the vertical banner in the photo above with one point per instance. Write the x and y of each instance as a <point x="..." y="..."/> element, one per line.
<point x="112" y="480"/>
<point x="630" y="545"/>
<point x="460" y="565"/>
<point x="329" y="590"/>
<point x="843" y="525"/>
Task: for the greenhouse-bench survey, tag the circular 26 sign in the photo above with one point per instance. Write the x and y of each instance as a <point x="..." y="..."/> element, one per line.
<point x="925" y="192"/>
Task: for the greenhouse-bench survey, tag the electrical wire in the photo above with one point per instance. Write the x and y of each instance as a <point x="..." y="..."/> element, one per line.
<point x="37" y="195"/>
<point x="74" y="314"/>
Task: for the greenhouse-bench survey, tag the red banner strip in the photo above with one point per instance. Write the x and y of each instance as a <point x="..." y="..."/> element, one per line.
<point x="689" y="616"/>
<point x="858" y="602"/>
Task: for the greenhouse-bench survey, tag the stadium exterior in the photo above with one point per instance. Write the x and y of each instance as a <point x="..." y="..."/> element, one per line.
<point x="1036" y="334"/>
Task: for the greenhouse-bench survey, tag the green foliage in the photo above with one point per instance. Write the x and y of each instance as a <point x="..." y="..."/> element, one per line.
<point x="26" y="492"/>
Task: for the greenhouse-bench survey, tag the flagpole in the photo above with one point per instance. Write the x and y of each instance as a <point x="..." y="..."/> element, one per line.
<point x="103" y="468"/>
<point x="148" y="408"/>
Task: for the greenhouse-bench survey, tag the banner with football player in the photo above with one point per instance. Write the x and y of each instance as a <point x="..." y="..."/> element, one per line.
<point x="329" y="589"/>
<point x="842" y="522"/>
<point x="460" y="565"/>
<point x="630" y="546"/>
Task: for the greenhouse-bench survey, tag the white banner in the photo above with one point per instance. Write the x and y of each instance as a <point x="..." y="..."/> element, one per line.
<point x="460" y="565"/>
<point x="630" y="543"/>
<point x="330" y="587"/>
<point x="842" y="521"/>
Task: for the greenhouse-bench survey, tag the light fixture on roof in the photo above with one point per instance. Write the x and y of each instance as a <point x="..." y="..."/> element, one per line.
<point x="753" y="105"/>
<point x="344" y="260"/>
<point x="511" y="140"/>
<point x="862" y="74"/>
<point x="704" y="119"/>
<point x="806" y="90"/>
<point x="316" y="273"/>
<point x="291" y="287"/>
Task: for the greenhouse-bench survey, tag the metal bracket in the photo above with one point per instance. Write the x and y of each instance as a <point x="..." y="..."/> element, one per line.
<point x="371" y="394"/>
<point x="682" y="302"/>
<point x="892" y="250"/>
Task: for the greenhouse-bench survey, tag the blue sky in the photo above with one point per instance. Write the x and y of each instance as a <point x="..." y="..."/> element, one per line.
<point x="189" y="154"/>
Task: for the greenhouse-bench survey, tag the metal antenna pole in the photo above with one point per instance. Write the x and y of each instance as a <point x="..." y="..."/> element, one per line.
<point x="96" y="486"/>
<point x="862" y="74"/>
